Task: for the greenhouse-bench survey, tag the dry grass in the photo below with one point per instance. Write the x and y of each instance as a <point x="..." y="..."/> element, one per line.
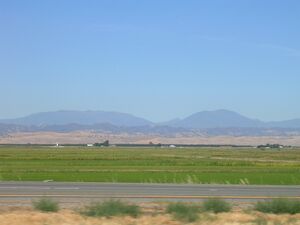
<point x="67" y="217"/>
<point x="78" y="137"/>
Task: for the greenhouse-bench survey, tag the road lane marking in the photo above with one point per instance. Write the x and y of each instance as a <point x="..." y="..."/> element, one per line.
<point x="145" y="196"/>
<point x="20" y="187"/>
<point x="66" y="188"/>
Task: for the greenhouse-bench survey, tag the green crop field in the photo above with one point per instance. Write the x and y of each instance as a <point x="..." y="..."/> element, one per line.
<point x="151" y="165"/>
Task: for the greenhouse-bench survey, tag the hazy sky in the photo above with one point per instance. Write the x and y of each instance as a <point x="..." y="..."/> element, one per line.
<point x="157" y="59"/>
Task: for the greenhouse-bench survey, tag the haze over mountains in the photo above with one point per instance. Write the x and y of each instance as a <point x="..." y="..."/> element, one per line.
<point x="228" y="119"/>
<point x="79" y="117"/>
<point x="218" y="122"/>
<point x="200" y="120"/>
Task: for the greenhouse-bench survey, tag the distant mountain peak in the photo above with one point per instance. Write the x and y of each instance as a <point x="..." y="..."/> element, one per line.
<point x="216" y="119"/>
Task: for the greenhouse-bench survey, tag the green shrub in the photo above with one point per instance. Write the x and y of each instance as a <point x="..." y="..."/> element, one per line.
<point x="279" y="206"/>
<point x="216" y="205"/>
<point x="181" y="211"/>
<point x="111" y="208"/>
<point x="46" y="205"/>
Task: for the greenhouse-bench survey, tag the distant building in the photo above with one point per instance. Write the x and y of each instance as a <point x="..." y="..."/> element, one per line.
<point x="172" y="146"/>
<point x="89" y="145"/>
<point x="268" y="146"/>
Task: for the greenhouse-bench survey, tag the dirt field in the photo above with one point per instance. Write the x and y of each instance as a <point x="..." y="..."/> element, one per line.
<point x="92" y="137"/>
<point x="17" y="216"/>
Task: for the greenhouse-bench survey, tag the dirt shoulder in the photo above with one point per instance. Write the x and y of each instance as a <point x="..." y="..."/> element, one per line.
<point x="28" y="216"/>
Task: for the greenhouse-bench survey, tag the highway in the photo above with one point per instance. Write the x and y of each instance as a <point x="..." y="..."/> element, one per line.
<point x="13" y="192"/>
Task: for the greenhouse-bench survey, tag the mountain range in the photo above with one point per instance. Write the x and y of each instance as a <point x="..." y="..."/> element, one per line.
<point x="201" y="120"/>
<point x="214" y="122"/>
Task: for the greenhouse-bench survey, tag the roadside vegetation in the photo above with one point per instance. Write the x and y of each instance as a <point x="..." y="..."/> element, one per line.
<point x="279" y="206"/>
<point x="111" y="208"/>
<point x="136" y="165"/>
<point x="119" y="212"/>
<point x="190" y="212"/>
<point x="216" y="205"/>
<point x="46" y="205"/>
<point x="183" y="212"/>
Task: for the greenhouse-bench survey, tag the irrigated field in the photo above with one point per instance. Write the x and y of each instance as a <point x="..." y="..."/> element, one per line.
<point x="156" y="165"/>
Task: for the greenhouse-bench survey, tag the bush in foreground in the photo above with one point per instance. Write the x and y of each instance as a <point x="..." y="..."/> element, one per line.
<point x="46" y="205"/>
<point x="216" y="205"/>
<point x="111" y="208"/>
<point x="278" y="206"/>
<point x="181" y="211"/>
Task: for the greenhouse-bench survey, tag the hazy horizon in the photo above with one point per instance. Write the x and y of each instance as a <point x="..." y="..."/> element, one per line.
<point x="167" y="120"/>
<point x="157" y="60"/>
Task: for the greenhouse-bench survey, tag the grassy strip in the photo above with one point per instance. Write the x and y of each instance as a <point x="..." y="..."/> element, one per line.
<point x="151" y="165"/>
<point x="156" y="177"/>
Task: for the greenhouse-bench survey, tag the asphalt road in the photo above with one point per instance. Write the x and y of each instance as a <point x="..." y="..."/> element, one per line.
<point x="26" y="191"/>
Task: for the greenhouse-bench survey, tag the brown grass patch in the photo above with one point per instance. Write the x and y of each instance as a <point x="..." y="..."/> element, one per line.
<point x="17" y="216"/>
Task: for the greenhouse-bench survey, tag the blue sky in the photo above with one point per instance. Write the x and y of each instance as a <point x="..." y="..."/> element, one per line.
<point x="155" y="59"/>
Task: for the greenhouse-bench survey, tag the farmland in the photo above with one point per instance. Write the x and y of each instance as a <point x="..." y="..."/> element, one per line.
<point x="151" y="165"/>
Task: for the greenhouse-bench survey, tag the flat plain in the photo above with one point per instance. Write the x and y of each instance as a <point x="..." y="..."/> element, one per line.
<point x="78" y="137"/>
<point x="216" y="165"/>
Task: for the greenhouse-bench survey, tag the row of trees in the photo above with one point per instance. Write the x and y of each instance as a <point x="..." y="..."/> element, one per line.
<point x="103" y="144"/>
<point x="270" y="146"/>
